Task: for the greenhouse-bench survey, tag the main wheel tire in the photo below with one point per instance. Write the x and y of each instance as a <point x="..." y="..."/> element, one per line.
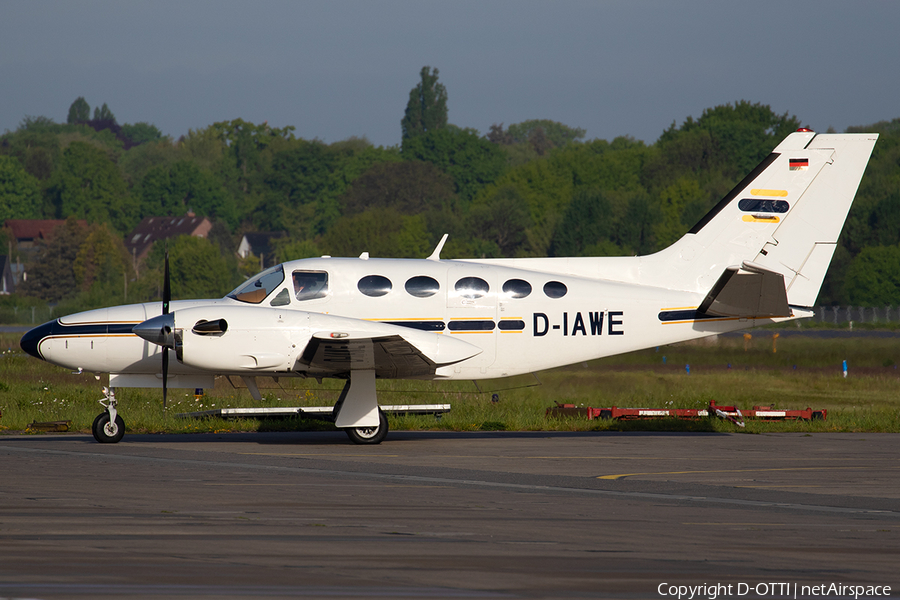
<point x="369" y="435"/>
<point x="106" y="432"/>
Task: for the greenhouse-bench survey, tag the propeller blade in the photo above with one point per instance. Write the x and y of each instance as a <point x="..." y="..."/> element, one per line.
<point x="167" y="290"/>
<point x="165" y="374"/>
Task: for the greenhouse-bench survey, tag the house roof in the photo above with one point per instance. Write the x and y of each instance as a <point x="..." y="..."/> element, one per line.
<point x="36" y="229"/>
<point x="151" y="229"/>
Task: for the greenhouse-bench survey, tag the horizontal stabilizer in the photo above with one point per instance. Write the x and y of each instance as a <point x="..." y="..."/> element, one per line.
<point x="747" y="291"/>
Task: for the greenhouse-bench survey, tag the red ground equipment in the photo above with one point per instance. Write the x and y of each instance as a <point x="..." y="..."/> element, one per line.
<point x="732" y="413"/>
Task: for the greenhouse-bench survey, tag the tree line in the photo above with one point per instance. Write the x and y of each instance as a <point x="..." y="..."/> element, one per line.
<point x="536" y="188"/>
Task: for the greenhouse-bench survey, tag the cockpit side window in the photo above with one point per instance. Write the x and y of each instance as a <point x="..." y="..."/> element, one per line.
<point x="256" y="289"/>
<point x="282" y="299"/>
<point x="310" y="284"/>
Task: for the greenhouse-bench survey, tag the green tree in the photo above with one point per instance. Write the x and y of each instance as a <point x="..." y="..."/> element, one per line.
<point x="181" y="187"/>
<point x="303" y="184"/>
<point x="294" y="249"/>
<point x="427" y="107"/>
<point x="140" y="133"/>
<point x="52" y="276"/>
<point x="240" y="155"/>
<point x="873" y="278"/>
<point x="409" y="187"/>
<point x="103" y="113"/>
<point x="587" y="221"/>
<point x="673" y="201"/>
<point x="502" y="221"/>
<point x="247" y="144"/>
<point x="139" y="160"/>
<point x="207" y="147"/>
<point x="556" y="133"/>
<point x="875" y="215"/>
<point x="197" y="268"/>
<point x="382" y="232"/>
<point x="548" y="184"/>
<point x="471" y="160"/>
<point x="19" y="192"/>
<point x="79" y="111"/>
<point x="89" y="185"/>
<point x="732" y="138"/>
<point x="300" y="190"/>
<point x="102" y="261"/>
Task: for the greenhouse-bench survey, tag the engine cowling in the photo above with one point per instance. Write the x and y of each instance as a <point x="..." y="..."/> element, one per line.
<point x="236" y="339"/>
<point x="254" y="339"/>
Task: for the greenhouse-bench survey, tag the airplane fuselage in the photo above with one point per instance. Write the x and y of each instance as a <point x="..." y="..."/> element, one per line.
<point x="519" y="320"/>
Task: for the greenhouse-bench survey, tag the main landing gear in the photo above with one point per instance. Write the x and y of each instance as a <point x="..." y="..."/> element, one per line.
<point x="369" y="435"/>
<point x="108" y="427"/>
<point x="357" y="412"/>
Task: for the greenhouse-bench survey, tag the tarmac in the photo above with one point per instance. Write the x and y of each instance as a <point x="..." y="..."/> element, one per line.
<point x="450" y="515"/>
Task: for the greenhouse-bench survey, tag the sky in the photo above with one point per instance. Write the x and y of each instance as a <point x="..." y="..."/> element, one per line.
<point x="345" y="68"/>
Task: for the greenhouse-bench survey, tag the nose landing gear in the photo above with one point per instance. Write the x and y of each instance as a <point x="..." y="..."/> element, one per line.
<point x="108" y="427"/>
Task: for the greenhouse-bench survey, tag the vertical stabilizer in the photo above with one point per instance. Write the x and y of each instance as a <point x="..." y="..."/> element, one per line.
<point x="784" y="218"/>
<point x="802" y="246"/>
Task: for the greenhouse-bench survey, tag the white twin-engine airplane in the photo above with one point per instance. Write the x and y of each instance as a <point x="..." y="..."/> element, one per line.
<point x="758" y="257"/>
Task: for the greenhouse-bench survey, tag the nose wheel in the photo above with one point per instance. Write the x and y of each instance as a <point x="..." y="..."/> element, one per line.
<point x="108" y="427"/>
<point x="106" y="430"/>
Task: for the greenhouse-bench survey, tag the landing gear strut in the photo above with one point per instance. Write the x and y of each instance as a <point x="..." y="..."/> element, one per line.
<point x="357" y="412"/>
<point x="108" y="427"/>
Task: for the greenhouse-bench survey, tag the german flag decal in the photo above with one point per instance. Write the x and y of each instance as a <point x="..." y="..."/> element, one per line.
<point x="799" y="164"/>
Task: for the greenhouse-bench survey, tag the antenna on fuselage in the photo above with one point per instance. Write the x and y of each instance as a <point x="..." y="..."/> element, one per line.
<point x="436" y="255"/>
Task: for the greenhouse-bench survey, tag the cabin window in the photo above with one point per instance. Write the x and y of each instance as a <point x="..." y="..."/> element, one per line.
<point x="310" y="284"/>
<point x="517" y="288"/>
<point x="763" y="206"/>
<point x="472" y="287"/>
<point x="374" y="285"/>
<point x="422" y="286"/>
<point x="555" y="289"/>
<point x="282" y="299"/>
<point x="255" y="290"/>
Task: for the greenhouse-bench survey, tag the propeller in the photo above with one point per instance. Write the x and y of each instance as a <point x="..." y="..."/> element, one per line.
<point x="167" y="297"/>
<point x="161" y="330"/>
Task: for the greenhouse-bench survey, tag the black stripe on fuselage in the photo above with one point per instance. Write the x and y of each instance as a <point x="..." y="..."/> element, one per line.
<point x="86" y="329"/>
<point x="464" y="325"/>
<point x="685" y="315"/>
<point x="420" y="325"/>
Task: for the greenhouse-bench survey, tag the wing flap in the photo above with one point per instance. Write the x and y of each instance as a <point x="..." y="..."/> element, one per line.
<point x="389" y="356"/>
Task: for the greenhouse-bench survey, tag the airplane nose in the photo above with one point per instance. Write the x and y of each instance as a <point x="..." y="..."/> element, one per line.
<point x="31" y="340"/>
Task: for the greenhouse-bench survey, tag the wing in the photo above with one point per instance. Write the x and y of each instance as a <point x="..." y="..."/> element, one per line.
<point x="390" y="356"/>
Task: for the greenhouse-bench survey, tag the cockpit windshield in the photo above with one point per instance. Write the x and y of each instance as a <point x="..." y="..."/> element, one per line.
<point x="256" y="289"/>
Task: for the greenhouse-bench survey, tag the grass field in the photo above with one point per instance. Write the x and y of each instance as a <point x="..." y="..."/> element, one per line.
<point x="804" y="372"/>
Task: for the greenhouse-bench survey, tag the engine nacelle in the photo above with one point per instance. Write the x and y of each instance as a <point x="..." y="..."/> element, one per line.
<point x="256" y="339"/>
<point x="239" y="339"/>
